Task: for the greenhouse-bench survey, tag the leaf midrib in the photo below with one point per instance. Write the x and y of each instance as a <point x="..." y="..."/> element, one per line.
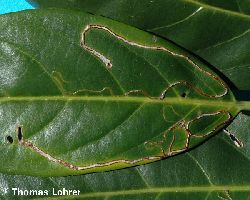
<point x="219" y="188"/>
<point x="132" y="99"/>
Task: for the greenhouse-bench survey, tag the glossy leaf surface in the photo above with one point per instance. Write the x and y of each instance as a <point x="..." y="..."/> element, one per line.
<point x="206" y="172"/>
<point x="88" y="94"/>
<point x="217" y="31"/>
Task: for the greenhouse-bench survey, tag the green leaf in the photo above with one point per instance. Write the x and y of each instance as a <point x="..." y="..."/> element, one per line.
<point x="89" y="94"/>
<point x="217" y="31"/>
<point x="188" y="176"/>
<point x="242" y="6"/>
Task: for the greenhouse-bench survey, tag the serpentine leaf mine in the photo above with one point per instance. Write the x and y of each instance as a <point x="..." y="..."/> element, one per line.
<point x="100" y="95"/>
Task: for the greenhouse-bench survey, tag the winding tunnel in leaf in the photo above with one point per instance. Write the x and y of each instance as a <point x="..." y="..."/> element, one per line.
<point x="90" y="94"/>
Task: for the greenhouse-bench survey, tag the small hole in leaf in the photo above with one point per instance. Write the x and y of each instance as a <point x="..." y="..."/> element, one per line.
<point x="19" y="133"/>
<point x="183" y="94"/>
<point x="9" y="139"/>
